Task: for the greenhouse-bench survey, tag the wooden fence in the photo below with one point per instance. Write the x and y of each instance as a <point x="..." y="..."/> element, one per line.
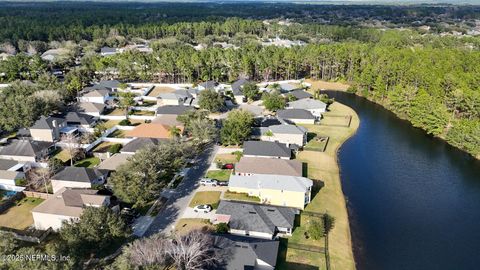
<point x="41" y="195"/>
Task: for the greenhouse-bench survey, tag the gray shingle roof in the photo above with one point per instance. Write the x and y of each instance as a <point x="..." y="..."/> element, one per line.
<point x="90" y="107"/>
<point x="108" y="50"/>
<point x="271" y="181"/>
<point x="269" y="166"/>
<point x="300" y="94"/>
<point x="209" y="84"/>
<point x="79" y="174"/>
<point x="239" y="252"/>
<point x="46" y="122"/>
<point x="256" y="217"/>
<point x="138" y="143"/>
<point x="6" y="164"/>
<point x="237" y="86"/>
<point x="82" y="119"/>
<point x="307" y="104"/>
<point x="25" y="148"/>
<point x="261" y="148"/>
<point x="173" y="109"/>
<point x="295" y="114"/>
<point x="110" y="84"/>
<point x="287" y="129"/>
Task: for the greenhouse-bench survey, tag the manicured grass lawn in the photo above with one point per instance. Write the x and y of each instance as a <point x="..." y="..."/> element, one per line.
<point x="117" y="112"/>
<point x="146" y="113"/>
<point x="317" y="143"/>
<point x="335" y="120"/>
<point x="323" y="166"/>
<point x="226" y="158"/>
<point x="102" y="147"/>
<point x="206" y="197"/>
<point x="240" y="197"/>
<point x="221" y="175"/>
<point x="88" y="162"/>
<point x="186" y="225"/>
<point x="19" y="216"/>
<point x="117" y="134"/>
<point x="327" y="85"/>
<point x="62" y="155"/>
<point x="160" y="90"/>
<point x="111" y="123"/>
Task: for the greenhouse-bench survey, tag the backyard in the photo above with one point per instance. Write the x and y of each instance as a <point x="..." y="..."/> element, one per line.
<point x="227" y="158"/>
<point x="89" y="162"/>
<point x="206" y="197"/>
<point x="19" y="216"/>
<point x="160" y="90"/>
<point x="102" y="147"/>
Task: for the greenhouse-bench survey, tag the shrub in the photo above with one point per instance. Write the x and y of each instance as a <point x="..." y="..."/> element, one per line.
<point x="221" y="228"/>
<point x="316" y="229"/>
<point x="115" y="148"/>
<point x="125" y="122"/>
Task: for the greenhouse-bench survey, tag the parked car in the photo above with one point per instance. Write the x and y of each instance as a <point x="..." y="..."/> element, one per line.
<point x="228" y="166"/>
<point x="222" y="183"/>
<point x="208" y="182"/>
<point x="204" y="208"/>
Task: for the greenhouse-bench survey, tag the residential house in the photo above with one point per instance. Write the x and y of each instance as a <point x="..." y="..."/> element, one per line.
<point x="47" y="129"/>
<point x="151" y="130"/>
<point x="173" y="110"/>
<point x="168" y="120"/>
<point x="174" y="98"/>
<point x="297" y="116"/>
<point x="316" y="107"/>
<point x="287" y="134"/>
<point x="106" y="51"/>
<point x="133" y="146"/>
<point x="143" y="48"/>
<point x="208" y="85"/>
<point x="10" y="171"/>
<point x="266" y="149"/>
<point x="237" y="87"/>
<point x="288" y="87"/>
<point x="66" y="204"/>
<point x="95" y="94"/>
<point x="93" y="109"/>
<point x="240" y="252"/>
<point x="111" y="85"/>
<point x="113" y="162"/>
<point x="255" y="220"/>
<point x="81" y="121"/>
<point x="281" y="190"/>
<point x="77" y="177"/>
<point x="252" y="165"/>
<point x="299" y="94"/>
<point x="55" y="54"/>
<point x="27" y="150"/>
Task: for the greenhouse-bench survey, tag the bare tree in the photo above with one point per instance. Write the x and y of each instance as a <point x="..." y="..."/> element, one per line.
<point x="8" y="48"/>
<point x="40" y="176"/>
<point x="192" y="251"/>
<point x="72" y="146"/>
<point x="148" y="251"/>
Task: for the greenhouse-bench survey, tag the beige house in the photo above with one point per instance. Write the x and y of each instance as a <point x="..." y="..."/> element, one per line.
<point x="287" y="134"/>
<point x="77" y="177"/>
<point x="47" y="129"/>
<point x="252" y="165"/>
<point x="65" y="205"/>
<point x="281" y="190"/>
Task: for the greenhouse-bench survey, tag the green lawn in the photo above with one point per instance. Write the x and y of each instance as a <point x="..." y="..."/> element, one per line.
<point x="146" y="113"/>
<point x="102" y="147"/>
<point x="206" y="197"/>
<point x="186" y="225"/>
<point x="88" y="162"/>
<point x="62" y="155"/>
<point x="221" y="175"/>
<point x="226" y="158"/>
<point x="240" y="197"/>
<point x="117" y="134"/>
<point x="19" y="216"/>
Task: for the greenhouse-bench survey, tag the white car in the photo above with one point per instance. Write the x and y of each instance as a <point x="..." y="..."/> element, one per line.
<point x="208" y="182"/>
<point x="204" y="208"/>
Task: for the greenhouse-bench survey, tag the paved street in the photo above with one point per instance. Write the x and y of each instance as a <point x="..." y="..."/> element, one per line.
<point x="178" y="202"/>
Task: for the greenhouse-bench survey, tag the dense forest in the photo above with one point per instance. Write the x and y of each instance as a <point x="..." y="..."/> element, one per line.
<point x="431" y="80"/>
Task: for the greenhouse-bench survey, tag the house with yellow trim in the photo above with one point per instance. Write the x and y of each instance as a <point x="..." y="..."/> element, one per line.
<point x="281" y="190"/>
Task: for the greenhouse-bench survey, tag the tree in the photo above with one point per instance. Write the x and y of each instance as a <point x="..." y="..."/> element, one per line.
<point x="8" y="243"/>
<point x="203" y="130"/>
<point x="250" y="91"/>
<point x="141" y="179"/>
<point x="194" y="250"/>
<point x="97" y="229"/>
<point x="210" y="100"/>
<point x="71" y="146"/>
<point x="126" y="101"/>
<point x="174" y="132"/>
<point x="40" y="177"/>
<point x="273" y="101"/>
<point x="316" y="229"/>
<point x="237" y="127"/>
<point x="328" y="223"/>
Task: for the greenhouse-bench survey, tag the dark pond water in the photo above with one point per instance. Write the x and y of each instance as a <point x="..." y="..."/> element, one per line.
<point x="414" y="201"/>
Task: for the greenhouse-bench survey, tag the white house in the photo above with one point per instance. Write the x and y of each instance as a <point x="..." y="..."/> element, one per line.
<point x="297" y="116"/>
<point x="95" y="96"/>
<point x="65" y="205"/>
<point x="316" y="107"/>
<point x="287" y="134"/>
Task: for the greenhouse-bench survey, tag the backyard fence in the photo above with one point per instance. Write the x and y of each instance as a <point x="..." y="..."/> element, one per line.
<point x="33" y="194"/>
<point x="29" y="235"/>
<point x="306" y="247"/>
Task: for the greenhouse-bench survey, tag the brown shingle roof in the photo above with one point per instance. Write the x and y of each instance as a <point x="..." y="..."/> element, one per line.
<point x="158" y="131"/>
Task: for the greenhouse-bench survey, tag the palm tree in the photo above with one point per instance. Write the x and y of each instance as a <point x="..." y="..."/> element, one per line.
<point x="126" y="101"/>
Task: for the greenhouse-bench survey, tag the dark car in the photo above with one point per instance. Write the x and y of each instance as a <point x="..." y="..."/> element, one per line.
<point x="228" y="166"/>
<point x="222" y="183"/>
